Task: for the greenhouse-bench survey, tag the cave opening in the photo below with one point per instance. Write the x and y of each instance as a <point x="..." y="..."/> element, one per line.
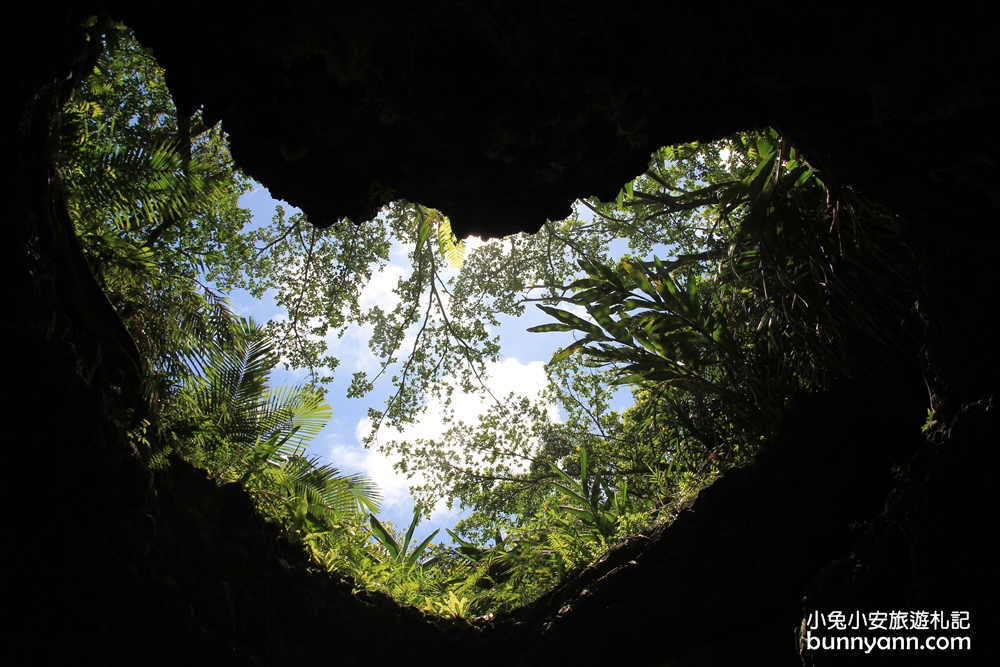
<point x="723" y="281"/>
<point x="170" y="554"/>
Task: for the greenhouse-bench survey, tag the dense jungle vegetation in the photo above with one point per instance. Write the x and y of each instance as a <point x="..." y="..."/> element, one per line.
<point x="739" y="277"/>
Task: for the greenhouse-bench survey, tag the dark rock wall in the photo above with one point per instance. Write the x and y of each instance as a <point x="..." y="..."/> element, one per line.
<point x="501" y="113"/>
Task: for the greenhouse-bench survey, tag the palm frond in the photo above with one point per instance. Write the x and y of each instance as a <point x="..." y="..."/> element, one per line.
<point x="328" y="487"/>
<point x="294" y="406"/>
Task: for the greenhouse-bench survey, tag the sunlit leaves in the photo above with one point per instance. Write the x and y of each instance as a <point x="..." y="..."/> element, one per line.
<point x="248" y="431"/>
<point x="760" y="311"/>
<point x="594" y="502"/>
<point x="316" y="277"/>
<point x="400" y="552"/>
<point x="155" y="199"/>
<point x="747" y="308"/>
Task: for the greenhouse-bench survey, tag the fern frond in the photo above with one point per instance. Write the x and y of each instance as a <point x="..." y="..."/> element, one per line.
<point x="452" y="249"/>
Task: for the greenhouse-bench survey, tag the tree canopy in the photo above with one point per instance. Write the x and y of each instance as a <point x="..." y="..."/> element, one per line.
<point x="727" y="277"/>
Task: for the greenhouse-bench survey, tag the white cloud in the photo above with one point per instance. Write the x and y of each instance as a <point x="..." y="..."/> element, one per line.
<point x="379" y="290"/>
<point x="377" y="466"/>
<point x="506" y="377"/>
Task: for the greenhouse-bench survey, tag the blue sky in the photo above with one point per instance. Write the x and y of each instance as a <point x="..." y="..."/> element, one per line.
<point x="520" y="370"/>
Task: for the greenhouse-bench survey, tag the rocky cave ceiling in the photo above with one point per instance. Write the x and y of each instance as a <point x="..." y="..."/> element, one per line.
<point x="502" y="113"/>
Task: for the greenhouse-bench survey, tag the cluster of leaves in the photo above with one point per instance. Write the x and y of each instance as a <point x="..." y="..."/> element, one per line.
<point x="229" y="420"/>
<point x="791" y="291"/>
<point x="380" y="558"/>
<point x="155" y="201"/>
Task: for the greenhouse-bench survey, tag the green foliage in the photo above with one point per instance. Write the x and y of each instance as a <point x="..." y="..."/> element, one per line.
<point x="773" y="316"/>
<point x="228" y="420"/>
<point x="315" y="275"/>
<point x="770" y="283"/>
<point x="379" y="558"/>
<point x="451" y="342"/>
<point x="154" y="196"/>
<point x="401" y="554"/>
<point x="772" y="277"/>
<point x="155" y="200"/>
<point x="135" y="168"/>
<point x="594" y="502"/>
<point x="453" y="607"/>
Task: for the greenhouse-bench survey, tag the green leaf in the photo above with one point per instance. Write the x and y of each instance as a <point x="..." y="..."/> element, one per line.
<point x="568" y="350"/>
<point x="384" y="537"/>
<point x="764" y="147"/>
<point x="420" y="548"/>
<point x="575" y="321"/>
<point x="412" y="527"/>
<point x="546" y="328"/>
